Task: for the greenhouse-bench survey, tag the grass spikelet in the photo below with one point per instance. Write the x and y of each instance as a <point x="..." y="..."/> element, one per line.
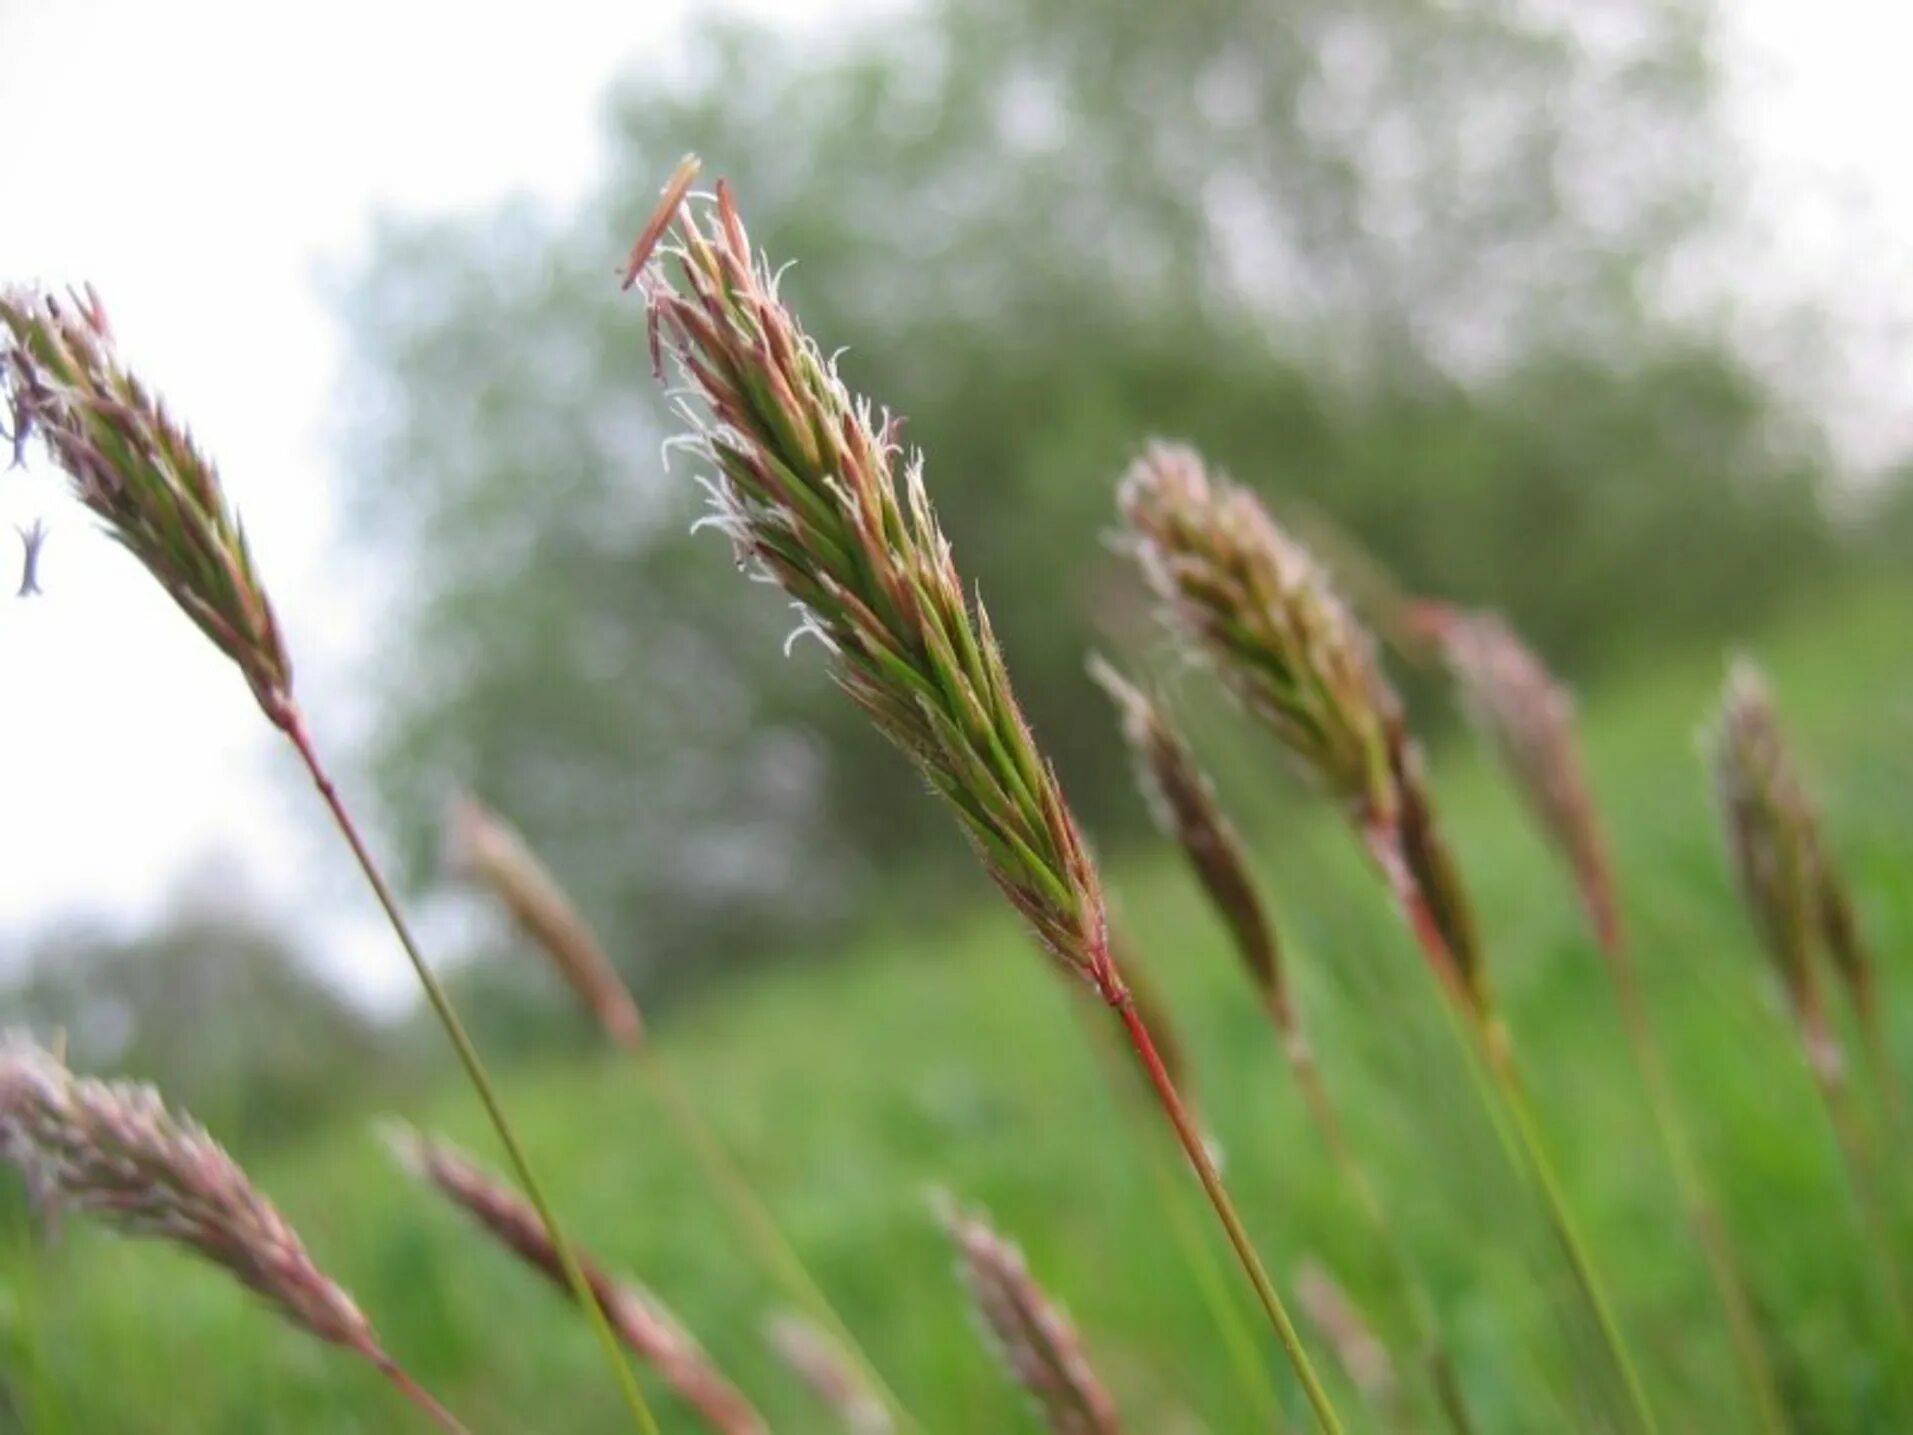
<point x="1774" y="844"/>
<point x="1773" y="849"/>
<point x="139" y="470"/>
<point x="1183" y="801"/>
<point x="642" y="1323"/>
<point x="111" y="1150"/>
<point x="483" y="847"/>
<point x="1528" y="719"/>
<point x="1263" y="610"/>
<point x="1260" y="605"/>
<point x="831" y="1376"/>
<point x="1037" y="1342"/>
<point x="1357" y="1349"/>
<point x="819" y="498"/>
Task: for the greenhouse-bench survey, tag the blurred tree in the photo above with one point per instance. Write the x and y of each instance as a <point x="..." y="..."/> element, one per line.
<point x="213" y="1006"/>
<point x="1401" y="256"/>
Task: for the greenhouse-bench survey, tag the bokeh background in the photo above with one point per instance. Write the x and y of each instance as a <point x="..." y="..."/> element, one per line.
<point x="1591" y="314"/>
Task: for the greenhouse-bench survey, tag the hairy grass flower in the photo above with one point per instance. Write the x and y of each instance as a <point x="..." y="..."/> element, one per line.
<point x="139" y="470"/>
<point x="641" y="1321"/>
<point x="819" y="498"/>
<point x="831" y="1375"/>
<point x="1183" y="802"/>
<point x="1773" y="847"/>
<point x="111" y="1150"/>
<point x="1259" y="606"/>
<point x="482" y="847"/>
<point x="1528" y="719"/>
<point x="1037" y="1342"/>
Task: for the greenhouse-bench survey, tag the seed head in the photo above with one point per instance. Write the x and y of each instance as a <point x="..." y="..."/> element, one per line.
<point x="1033" y="1336"/>
<point x="1528" y="718"/>
<point x="647" y="1329"/>
<point x="482" y="846"/>
<point x="1262" y="609"/>
<point x="140" y="471"/>
<point x="819" y="498"/>
<point x="821" y="1364"/>
<point x="1772" y="844"/>
<point x="1184" y="803"/>
<point x="113" y="1151"/>
<point x="1254" y="601"/>
<point x="1355" y="1344"/>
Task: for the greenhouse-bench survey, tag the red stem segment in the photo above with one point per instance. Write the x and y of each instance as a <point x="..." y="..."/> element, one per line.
<point x="1118" y="997"/>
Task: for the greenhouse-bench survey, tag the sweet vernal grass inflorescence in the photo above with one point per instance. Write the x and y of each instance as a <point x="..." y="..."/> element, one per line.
<point x="111" y="1150"/>
<point x="484" y="848"/>
<point x="1183" y="802"/>
<point x="1774" y="849"/>
<point x="160" y="497"/>
<point x="1038" y="1343"/>
<point x="138" y="468"/>
<point x="819" y="499"/>
<point x="1263" y="610"/>
<point x="642" y="1323"/>
<point x="1528" y="718"/>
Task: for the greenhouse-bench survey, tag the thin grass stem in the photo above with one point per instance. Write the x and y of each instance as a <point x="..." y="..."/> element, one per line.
<point x="415" y="1392"/>
<point x="1702" y="1214"/>
<point x="1485" y="1030"/>
<point x="1401" y="1267"/>
<point x="293" y="724"/>
<point x="1197" y="1254"/>
<point x="1177" y="1112"/>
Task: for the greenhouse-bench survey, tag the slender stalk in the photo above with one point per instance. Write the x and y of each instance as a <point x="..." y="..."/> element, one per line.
<point x="292" y="722"/>
<point x="755" y="1220"/>
<point x="1858" y="1156"/>
<point x="1177" y="1112"/>
<point x="415" y="1392"/>
<point x="1702" y="1214"/>
<point x="1196" y="1251"/>
<point x="1486" y="1030"/>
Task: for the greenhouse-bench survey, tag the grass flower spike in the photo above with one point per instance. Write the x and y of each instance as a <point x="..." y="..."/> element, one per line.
<point x="642" y="1323"/>
<point x="818" y="498"/>
<point x="1773" y="847"/>
<point x="1282" y="640"/>
<point x="483" y="847"/>
<point x="1261" y="608"/>
<point x="1183" y="801"/>
<point x="137" y="468"/>
<point x="1036" y="1340"/>
<point x="113" y="1151"/>
<point x="1528" y="718"/>
<point x="831" y="1376"/>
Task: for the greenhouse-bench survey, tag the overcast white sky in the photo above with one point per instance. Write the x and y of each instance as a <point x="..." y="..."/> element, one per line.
<point x="200" y="162"/>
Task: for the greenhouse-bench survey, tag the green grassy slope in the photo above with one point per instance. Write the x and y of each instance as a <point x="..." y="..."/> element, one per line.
<point x="953" y="1058"/>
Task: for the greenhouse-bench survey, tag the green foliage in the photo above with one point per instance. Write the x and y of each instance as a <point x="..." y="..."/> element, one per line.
<point x="1396" y="259"/>
<point x="950" y="1057"/>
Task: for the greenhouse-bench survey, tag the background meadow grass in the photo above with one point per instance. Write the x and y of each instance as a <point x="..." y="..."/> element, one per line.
<point x="949" y="1058"/>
